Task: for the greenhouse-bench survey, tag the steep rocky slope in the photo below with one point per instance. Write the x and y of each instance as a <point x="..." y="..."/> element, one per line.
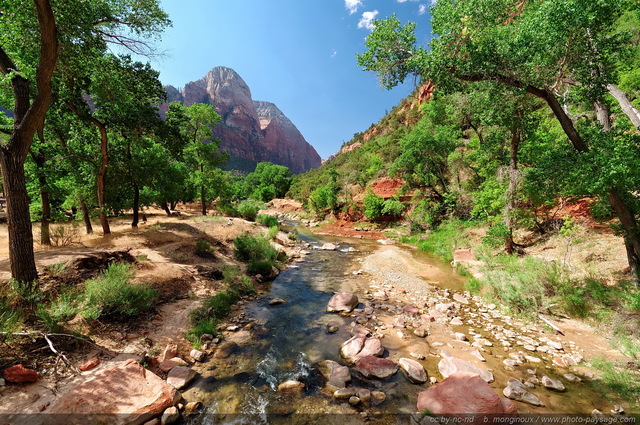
<point x="253" y="131"/>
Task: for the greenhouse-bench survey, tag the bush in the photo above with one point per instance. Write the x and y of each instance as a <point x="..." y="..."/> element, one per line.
<point x="267" y="220"/>
<point x="373" y="206"/>
<point x="248" y="209"/>
<point x="251" y="248"/>
<point x="203" y="248"/>
<point x="263" y="267"/>
<point x="393" y="207"/>
<point x="273" y="232"/>
<point x="113" y="295"/>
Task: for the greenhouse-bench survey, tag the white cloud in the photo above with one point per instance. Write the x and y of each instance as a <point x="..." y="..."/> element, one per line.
<point x="367" y="20"/>
<point x="422" y="9"/>
<point x="404" y="1"/>
<point x="352" y="5"/>
<point x="334" y="53"/>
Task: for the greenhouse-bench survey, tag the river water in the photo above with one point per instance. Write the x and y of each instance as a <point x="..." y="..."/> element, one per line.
<point x="282" y="342"/>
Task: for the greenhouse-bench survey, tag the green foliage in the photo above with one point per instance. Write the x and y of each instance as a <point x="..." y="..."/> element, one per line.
<point x="203" y="248"/>
<point x="258" y="252"/>
<point x="617" y="379"/>
<point x="10" y="318"/>
<point x="373" y="206"/>
<point x="273" y="232"/>
<point x="248" y="209"/>
<point x="496" y="234"/>
<point x="268" y="181"/>
<point x="393" y="207"/>
<point x="268" y="220"/>
<point x="112" y="295"/>
<point x="445" y="239"/>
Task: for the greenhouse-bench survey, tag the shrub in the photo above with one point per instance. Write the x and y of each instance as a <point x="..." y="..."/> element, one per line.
<point x="113" y="295"/>
<point x="393" y="207"/>
<point x="56" y="269"/>
<point x="273" y="232"/>
<point x="373" y="206"/>
<point x="250" y="248"/>
<point x="203" y="248"/>
<point x="267" y="220"/>
<point x="262" y="267"/>
<point x="248" y="209"/>
<point x="204" y="326"/>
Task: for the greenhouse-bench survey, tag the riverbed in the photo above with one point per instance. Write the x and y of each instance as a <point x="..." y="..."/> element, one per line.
<point x="270" y="344"/>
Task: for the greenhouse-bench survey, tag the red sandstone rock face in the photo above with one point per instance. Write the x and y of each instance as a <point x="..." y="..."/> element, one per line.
<point x="257" y="131"/>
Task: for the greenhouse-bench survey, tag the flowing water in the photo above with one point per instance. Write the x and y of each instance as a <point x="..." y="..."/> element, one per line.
<point x="282" y="342"/>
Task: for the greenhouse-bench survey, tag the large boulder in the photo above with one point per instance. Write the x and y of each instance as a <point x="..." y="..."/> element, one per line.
<point x="124" y="394"/>
<point x="450" y="365"/>
<point x="342" y="302"/>
<point x="180" y="376"/>
<point x="376" y="367"/>
<point x="464" y="393"/>
<point x="336" y="375"/>
<point x="413" y="370"/>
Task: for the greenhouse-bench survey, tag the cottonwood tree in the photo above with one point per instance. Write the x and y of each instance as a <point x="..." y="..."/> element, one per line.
<point x="563" y="52"/>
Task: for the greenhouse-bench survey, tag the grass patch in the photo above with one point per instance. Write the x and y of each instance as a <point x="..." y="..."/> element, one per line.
<point x="203" y="249"/>
<point x="445" y="239"/>
<point x="56" y="269"/>
<point x="113" y="295"/>
<point x="618" y="380"/>
<point x="267" y="220"/>
<point x="206" y="318"/>
<point x="273" y="232"/>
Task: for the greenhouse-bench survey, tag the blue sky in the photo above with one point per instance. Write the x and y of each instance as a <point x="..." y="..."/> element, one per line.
<point x="298" y="54"/>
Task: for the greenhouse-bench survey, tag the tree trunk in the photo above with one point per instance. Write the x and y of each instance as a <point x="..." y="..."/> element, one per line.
<point x="21" y="256"/>
<point x="85" y="217"/>
<point x="203" y="197"/>
<point x="28" y="117"/>
<point x="173" y="205"/>
<point x="102" y="176"/>
<point x="136" y="206"/>
<point x="509" y="220"/>
<point x="45" y="238"/>
<point x="625" y="105"/>
<point x="165" y="207"/>
<point x="40" y="160"/>
<point x="602" y="114"/>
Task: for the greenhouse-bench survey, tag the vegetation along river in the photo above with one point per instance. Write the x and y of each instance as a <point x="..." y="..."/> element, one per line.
<point x="414" y="304"/>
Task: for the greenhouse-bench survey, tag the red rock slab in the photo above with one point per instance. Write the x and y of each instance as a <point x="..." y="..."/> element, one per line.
<point x="19" y="373"/>
<point x="464" y="393"/>
<point x="126" y="394"/>
<point x="89" y="364"/>
<point x="342" y="302"/>
<point x="375" y="367"/>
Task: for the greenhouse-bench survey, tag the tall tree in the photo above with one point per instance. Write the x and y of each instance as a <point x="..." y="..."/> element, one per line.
<point x="29" y="110"/>
<point x="556" y="51"/>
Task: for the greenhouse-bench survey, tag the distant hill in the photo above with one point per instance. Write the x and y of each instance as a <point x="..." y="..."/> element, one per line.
<point x="251" y="131"/>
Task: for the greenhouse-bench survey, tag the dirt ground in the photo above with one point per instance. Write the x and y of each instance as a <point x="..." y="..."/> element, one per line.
<point x="163" y="250"/>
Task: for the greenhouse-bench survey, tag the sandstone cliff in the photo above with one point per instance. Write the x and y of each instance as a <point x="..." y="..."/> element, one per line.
<point x="254" y="131"/>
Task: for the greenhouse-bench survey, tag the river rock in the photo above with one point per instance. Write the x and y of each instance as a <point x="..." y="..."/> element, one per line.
<point x="450" y="365"/>
<point x="460" y="298"/>
<point x="516" y="390"/>
<point x="364" y="395"/>
<point x="358" y="347"/>
<point x="420" y="333"/>
<point x="354" y="400"/>
<point x="276" y="301"/>
<point x="127" y="391"/>
<point x="169" y="352"/>
<point x="456" y="321"/>
<point x="413" y="370"/>
<point x="291" y="386"/>
<point x="19" y="373"/>
<point x="342" y="302"/>
<point x="170" y="415"/>
<point x="552" y="384"/>
<point x="329" y="247"/>
<point x="180" y="376"/>
<point x="344" y="393"/>
<point x="359" y="330"/>
<point x="332" y="327"/>
<point x="197" y="355"/>
<point x="378" y="397"/>
<point x="336" y="375"/>
<point x="411" y="309"/>
<point x="167" y="365"/>
<point x="225" y="350"/>
<point x="571" y="377"/>
<point x="376" y="367"/>
<point x="478" y="355"/>
<point x="464" y="393"/>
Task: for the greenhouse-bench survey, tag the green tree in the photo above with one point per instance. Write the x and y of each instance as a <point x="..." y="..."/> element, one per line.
<point x="201" y="152"/>
<point x="563" y="53"/>
<point x="268" y="181"/>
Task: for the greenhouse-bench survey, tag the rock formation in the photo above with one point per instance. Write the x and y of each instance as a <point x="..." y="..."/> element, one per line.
<point x="250" y="130"/>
